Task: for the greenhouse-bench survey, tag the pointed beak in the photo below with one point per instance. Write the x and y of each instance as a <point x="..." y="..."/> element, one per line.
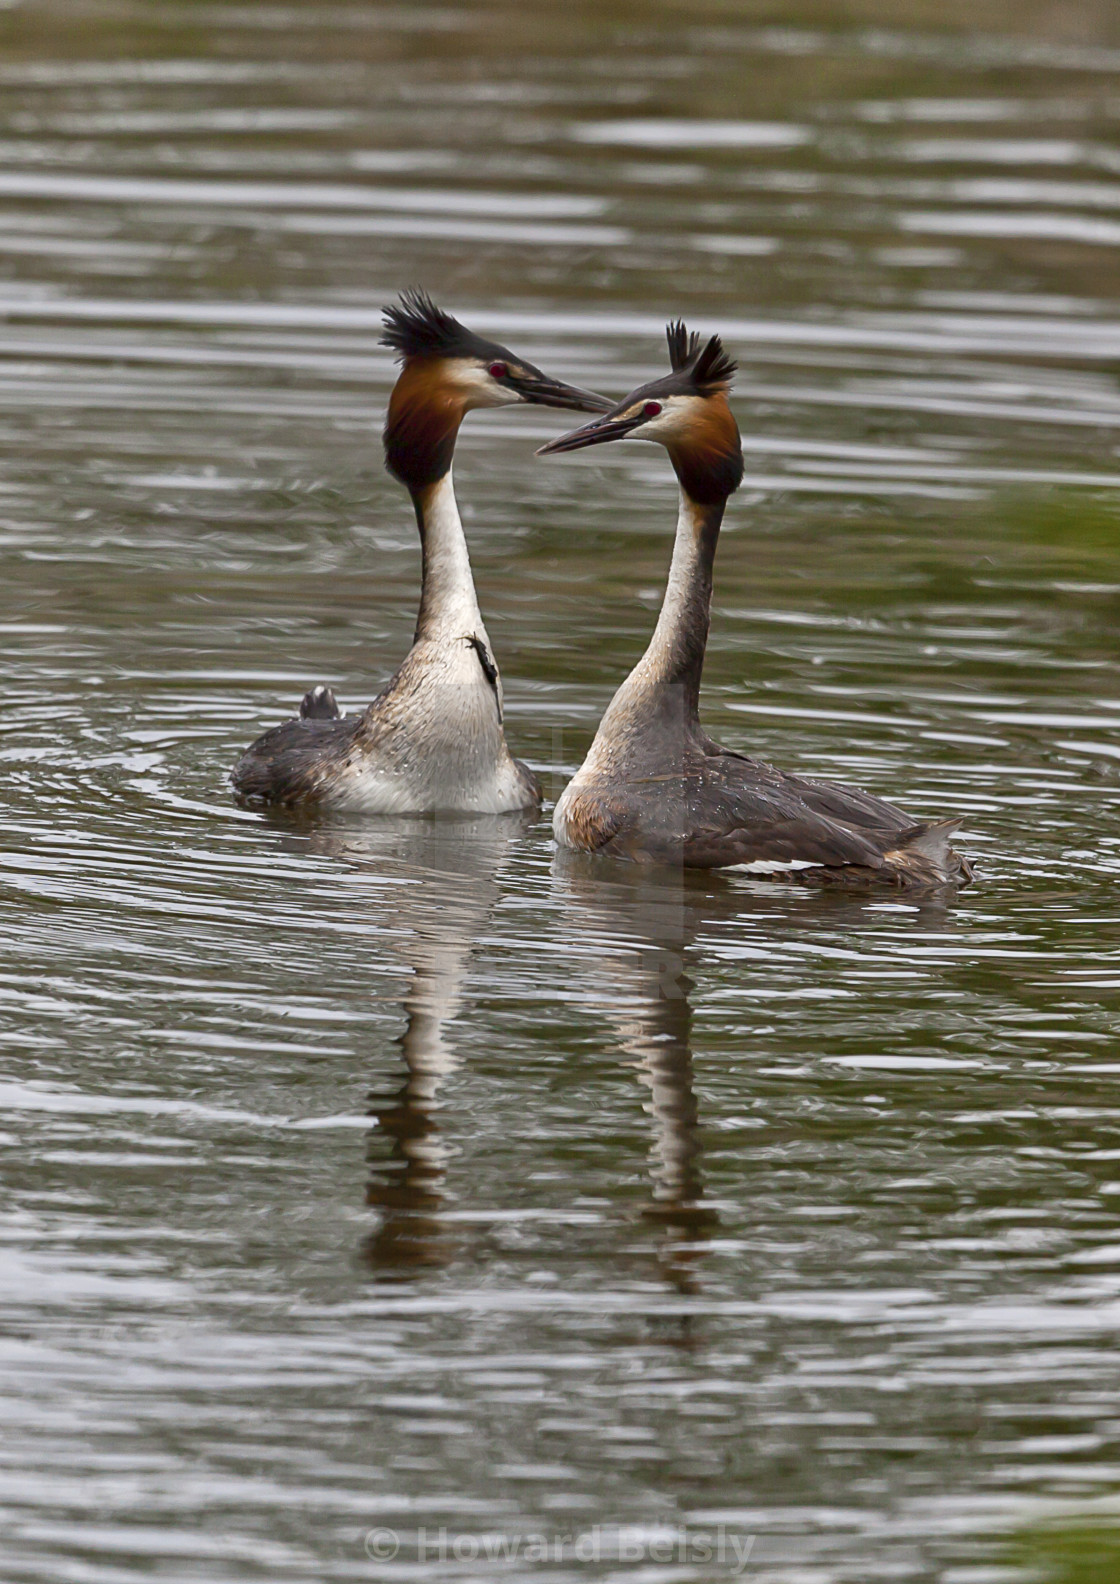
<point x="592" y="434"/>
<point x="541" y="391"/>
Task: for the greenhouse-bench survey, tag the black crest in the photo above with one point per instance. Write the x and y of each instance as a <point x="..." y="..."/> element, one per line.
<point x="415" y="327"/>
<point x="705" y="368"/>
<point x="714" y="369"/>
<point x="682" y="346"/>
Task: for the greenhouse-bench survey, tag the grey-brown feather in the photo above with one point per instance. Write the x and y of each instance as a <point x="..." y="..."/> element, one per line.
<point x="307" y="759"/>
<point x="293" y="762"/>
<point x="707" y="807"/>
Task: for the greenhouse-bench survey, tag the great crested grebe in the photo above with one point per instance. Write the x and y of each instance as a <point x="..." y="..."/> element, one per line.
<point x="432" y="741"/>
<point x="654" y="786"/>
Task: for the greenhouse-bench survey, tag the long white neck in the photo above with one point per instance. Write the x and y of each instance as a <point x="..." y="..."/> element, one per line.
<point x="681" y="635"/>
<point x="674" y="658"/>
<point x="448" y="602"/>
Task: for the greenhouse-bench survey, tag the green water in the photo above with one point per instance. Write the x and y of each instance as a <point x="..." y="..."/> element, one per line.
<point x="377" y="1180"/>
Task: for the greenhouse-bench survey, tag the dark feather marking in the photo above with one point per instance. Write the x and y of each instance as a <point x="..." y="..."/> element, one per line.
<point x="485" y="658"/>
<point x="489" y="669"/>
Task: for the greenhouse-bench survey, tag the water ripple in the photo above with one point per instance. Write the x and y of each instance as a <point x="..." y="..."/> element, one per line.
<point x="410" y="1175"/>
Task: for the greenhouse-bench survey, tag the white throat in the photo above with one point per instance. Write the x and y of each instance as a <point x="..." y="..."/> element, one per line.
<point x="622" y="726"/>
<point x="448" y="602"/>
<point x="677" y="608"/>
<point x="685" y="571"/>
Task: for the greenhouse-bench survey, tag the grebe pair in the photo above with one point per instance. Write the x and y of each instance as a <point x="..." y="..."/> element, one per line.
<point x="654" y="787"/>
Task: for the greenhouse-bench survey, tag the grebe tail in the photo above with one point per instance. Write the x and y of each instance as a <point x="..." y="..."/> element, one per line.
<point x="319" y="703"/>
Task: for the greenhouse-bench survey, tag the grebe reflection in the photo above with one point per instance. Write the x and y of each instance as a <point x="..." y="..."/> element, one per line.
<point x="633" y="931"/>
<point x="447" y="884"/>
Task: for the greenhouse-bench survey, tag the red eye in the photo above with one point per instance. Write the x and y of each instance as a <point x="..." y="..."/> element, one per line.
<point x="651" y="409"/>
<point x="498" y="370"/>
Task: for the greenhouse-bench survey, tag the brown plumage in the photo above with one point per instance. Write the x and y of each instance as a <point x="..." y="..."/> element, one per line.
<point x="422" y="423"/>
<point x="708" y="455"/>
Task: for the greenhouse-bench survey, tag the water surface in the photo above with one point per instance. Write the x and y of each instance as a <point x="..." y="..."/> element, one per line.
<point x="405" y="1176"/>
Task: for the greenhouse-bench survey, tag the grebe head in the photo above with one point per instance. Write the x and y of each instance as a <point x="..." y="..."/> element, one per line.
<point x="686" y="411"/>
<point x="447" y="371"/>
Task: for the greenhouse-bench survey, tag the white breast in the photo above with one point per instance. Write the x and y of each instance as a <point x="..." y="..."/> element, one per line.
<point x="438" y="744"/>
